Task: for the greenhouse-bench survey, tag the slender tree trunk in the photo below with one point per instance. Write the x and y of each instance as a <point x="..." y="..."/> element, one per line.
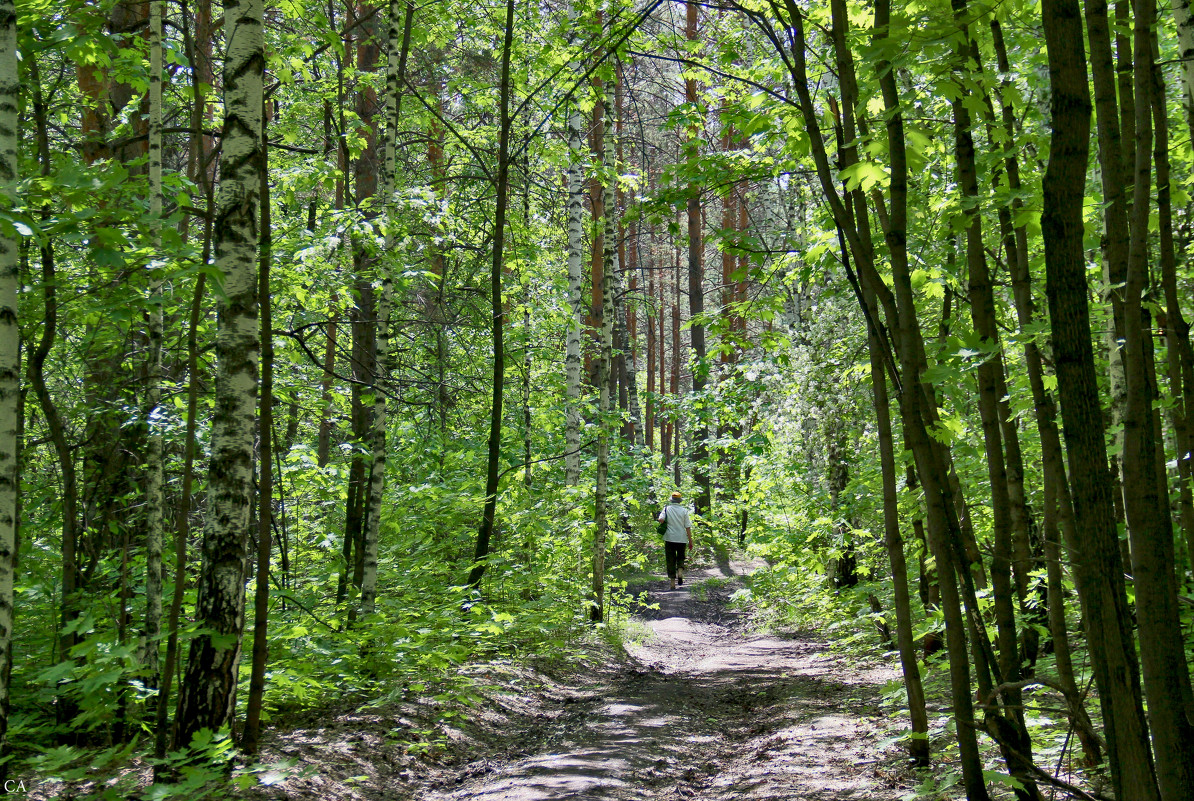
<point x="652" y="312"/>
<point x="597" y="214"/>
<point x="208" y="690"/>
<point x="182" y="532"/>
<point x="395" y="75"/>
<point x="696" y="291"/>
<point x="572" y="358"/>
<point x="665" y="426"/>
<point x="918" y="743"/>
<point x="154" y="467"/>
<point x="197" y="52"/>
<point x="1059" y="511"/>
<point x="1115" y="238"/>
<point x="364" y="368"/>
<point x="323" y="445"/>
<point x="1162" y="654"/>
<point x="605" y="376"/>
<point x="1185" y="39"/>
<point x="10" y="360"/>
<point x="1177" y="330"/>
<point x="1099" y="572"/>
<point x="371" y="181"/>
<point x="677" y="351"/>
<point x="65" y="710"/>
<point x="489" y="514"/>
<point x="265" y="473"/>
<point x="991" y="382"/>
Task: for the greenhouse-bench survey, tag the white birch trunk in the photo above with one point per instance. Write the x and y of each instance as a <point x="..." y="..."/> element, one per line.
<point x="632" y="403"/>
<point x="609" y="244"/>
<point x="10" y="337"/>
<point x="526" y="397"/>
<point x="1185" y="49"/>
<point x="1117" y="401"/>
<point x="154" y="466"/>
<point x="208" y="693"/>
<point x="572" y="358"/>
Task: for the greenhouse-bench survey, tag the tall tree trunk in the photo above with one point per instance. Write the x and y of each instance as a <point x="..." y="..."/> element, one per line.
<point x="597" y="214"/>
<point x="489" y="513"/>
<point x="183" y="526"/>
<point x="397" y="49"/>
<point x="931" y="460"/>
<point x="154" y="467"/>
<point x="991" y="385"/>
<point x="1115" y="235"/>
<point x="265" y="472"/>
<point x="197" y="52"/>
<point x="208" y="691"/>
<point x="652" y="311"/>
<point x="572" y="358"/>
<point x="677" y="354"/>
<point x="65" y="710"/>
<point x="605" y="381"/>
<point x="1059" y="510"/>
<point x="1162" y="653"/>
<point x="1185" y="39"/>
<point x="1177" y="330"/>
<point x="665" y="425"/>
<point x="323" y="444"/>
<point x="371" y="180"/>
<point x="10" y="359"/>
<point x="1099" y="572"/>
<point x="918" y="743"/>
<point x="696" y="290"/>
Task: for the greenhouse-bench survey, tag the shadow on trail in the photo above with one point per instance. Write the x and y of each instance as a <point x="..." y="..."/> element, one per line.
<point x="660" y="735"/>
<point x="721" y="556"/>
<point x="711" y="711"/>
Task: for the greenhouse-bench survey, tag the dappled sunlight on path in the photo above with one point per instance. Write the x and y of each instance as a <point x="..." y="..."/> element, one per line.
<point x="711" y="711"/>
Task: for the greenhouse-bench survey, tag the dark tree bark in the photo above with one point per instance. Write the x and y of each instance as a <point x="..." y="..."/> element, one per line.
<point x="1177" y="330"/>
<point x="696" y="293"/>
<point x="502" y="182"/>
<point x="915" y="408"/>
<point x="1099" y="571"/>
<point x="1162" y="652"/>
<point x="265" y="474"/>
<point x="991" y="385"/>
<point x="68" y="605"/>
<point x="1059" y="511"/>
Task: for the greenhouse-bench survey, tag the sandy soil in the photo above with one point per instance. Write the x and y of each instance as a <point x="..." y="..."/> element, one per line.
<point x="706" y="709"/>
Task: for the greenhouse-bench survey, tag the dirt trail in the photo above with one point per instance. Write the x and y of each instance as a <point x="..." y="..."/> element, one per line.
<point x="710" y="711"/>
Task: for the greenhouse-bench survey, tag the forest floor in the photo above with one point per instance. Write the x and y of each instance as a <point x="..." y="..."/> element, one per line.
<point x="701" y="706"/>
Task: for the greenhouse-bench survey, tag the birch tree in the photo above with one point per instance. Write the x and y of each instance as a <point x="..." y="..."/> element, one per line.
<point x="397" y="46"/>
<point x="605" y="364"/>
<point x="208" y="692"/>
<point x="10" y="341"/>
<point x="154" y="451"/>
<point x="1185" y="41"/>
<point x="576" y="195"/>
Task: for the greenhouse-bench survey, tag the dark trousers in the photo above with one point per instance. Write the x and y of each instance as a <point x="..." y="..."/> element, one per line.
<point x="674" y="552"/>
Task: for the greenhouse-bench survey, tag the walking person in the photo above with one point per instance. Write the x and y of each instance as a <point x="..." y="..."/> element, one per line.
<point x="677" y="538"/>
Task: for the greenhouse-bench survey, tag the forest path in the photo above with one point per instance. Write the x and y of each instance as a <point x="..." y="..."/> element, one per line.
<point x="707" y="710"/>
